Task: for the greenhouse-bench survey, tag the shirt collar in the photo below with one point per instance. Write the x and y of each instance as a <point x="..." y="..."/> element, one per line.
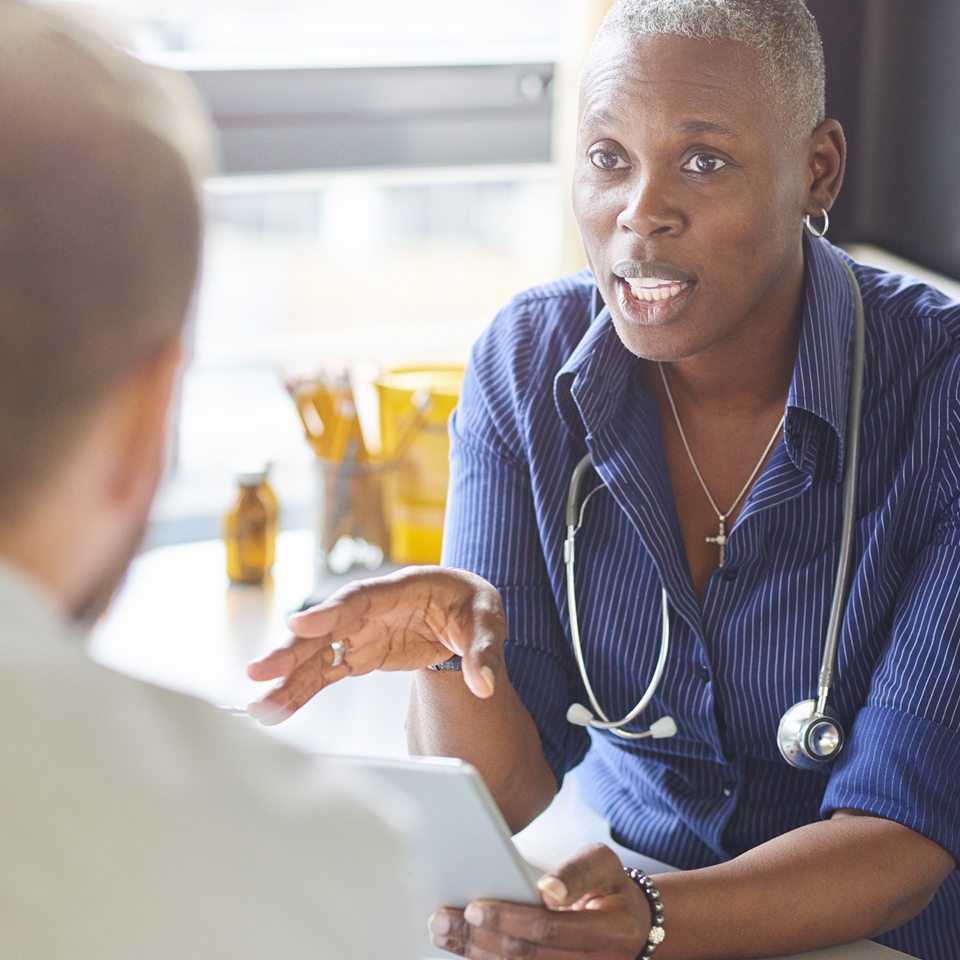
<point x="821" y="377"/>
<point x="596" y="372"/>
<point x="29" y="614"/>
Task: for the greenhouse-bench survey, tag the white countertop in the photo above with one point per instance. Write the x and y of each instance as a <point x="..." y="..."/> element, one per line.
<point x="178" y="622"/>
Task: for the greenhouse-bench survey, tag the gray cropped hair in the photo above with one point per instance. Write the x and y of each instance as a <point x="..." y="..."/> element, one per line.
<point x="783" y="32"/>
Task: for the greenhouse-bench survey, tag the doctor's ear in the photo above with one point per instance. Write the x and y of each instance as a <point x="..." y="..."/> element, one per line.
<point x="827" y="160"/>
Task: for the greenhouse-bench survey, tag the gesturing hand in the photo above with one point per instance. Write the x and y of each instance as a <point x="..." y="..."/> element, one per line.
<point x="409" y="620"/>
<point x="593" y="911"/>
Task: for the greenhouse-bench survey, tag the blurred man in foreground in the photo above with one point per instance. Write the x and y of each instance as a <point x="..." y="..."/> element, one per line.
<point x="134" y="822"/>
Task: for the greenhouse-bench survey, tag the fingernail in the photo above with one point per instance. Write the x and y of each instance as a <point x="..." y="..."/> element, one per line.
<point x="487" y="675"/>
<point x="267" y="712"/>
<point x="473" y="915"/>
<point x="554" y="887"/>
<point x="299" y="614"/>
<point x="439" y="924"/>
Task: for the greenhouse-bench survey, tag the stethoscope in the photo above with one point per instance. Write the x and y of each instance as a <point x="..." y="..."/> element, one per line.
<point x="809" y="733"/>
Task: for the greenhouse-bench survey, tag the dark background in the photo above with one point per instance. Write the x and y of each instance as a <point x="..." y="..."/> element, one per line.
<point x="893" y="81"/>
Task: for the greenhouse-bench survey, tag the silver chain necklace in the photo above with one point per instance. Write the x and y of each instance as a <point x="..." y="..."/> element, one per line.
<point x="721" y="538"/>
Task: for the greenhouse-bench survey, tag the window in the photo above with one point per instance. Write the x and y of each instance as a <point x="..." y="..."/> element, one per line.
<point x="313" y="256"/>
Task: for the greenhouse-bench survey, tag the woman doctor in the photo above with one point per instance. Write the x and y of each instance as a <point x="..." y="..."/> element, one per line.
<point x="704" y="363"/>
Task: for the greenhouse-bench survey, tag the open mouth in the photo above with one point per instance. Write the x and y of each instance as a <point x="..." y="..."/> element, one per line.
<point x="651" y="292"/>
<point x="655" y="290"/>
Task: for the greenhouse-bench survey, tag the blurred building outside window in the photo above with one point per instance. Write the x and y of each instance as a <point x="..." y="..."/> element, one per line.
<point x="337" y="267"/>
<point x="281" y="33"/>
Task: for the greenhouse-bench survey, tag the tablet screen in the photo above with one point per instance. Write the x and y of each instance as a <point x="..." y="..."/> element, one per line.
<point x="467" y="853"/>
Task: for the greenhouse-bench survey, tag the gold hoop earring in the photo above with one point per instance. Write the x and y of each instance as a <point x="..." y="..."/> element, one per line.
<point x="826" y="224"/>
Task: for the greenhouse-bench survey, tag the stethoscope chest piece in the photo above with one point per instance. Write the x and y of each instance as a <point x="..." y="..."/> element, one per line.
<point x="808" y="738"/>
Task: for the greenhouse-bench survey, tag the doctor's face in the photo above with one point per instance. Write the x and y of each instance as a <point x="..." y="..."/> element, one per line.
<point x="690" y="183"/>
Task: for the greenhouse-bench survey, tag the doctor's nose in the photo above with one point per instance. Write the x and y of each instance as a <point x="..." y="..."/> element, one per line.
<point x="649" y="212"/>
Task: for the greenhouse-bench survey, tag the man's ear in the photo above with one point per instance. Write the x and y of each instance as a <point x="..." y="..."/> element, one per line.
<point x="141" y="425"/>
<point x="827" y="161"/>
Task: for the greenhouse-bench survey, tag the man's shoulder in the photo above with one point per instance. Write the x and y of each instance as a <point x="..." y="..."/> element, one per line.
<point x="63" y="714"/>
<point x="125" y="804"/>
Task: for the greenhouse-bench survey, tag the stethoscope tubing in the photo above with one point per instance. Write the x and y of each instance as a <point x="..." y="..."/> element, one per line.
<point x="574" y="519"/>
<point x="605" y="723"/>
<point x="851" y="458"/>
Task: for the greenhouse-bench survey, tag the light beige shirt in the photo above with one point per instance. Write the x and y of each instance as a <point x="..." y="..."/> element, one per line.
<point x="139" y="823"/>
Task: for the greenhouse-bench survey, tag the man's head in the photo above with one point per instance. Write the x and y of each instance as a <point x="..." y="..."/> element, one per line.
<point x="701" y="147"/>
<point x="99" y="242"/>
<point x="783" y="34"/>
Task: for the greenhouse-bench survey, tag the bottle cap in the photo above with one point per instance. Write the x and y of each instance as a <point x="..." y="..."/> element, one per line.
<point x="250" y="478"/>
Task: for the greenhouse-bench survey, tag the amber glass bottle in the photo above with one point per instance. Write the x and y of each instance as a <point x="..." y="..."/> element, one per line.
<point x="269" y="499"/>
<point x="248" y="532"/>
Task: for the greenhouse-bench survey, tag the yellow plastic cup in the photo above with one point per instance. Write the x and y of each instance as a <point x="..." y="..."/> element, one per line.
<point x="415" y="405"/>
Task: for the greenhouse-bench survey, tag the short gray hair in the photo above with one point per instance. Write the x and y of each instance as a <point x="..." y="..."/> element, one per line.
<point x="783" y="32"/>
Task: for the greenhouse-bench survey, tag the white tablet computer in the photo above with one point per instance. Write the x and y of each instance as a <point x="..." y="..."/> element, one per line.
<point x="467" y="853"/>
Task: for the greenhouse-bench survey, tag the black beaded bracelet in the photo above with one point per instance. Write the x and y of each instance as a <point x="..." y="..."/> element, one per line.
<point x="656" y="935"/>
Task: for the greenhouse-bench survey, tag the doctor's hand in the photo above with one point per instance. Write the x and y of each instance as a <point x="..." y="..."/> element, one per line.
<point x="415" y="618"/>
<point x="593" y="911"/>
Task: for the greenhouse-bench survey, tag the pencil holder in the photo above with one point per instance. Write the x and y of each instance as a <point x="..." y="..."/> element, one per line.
<point x="350" y="528"/>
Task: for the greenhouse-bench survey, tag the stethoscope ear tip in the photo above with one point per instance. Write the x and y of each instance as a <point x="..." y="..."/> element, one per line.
<point x="664" y="727"/>
<point x="579" y="715"/>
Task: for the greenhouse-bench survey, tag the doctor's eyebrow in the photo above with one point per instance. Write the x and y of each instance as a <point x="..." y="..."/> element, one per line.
<point x="708" y="126"/>
<point x="598" y="118"/>
<point x="604" y="117"/>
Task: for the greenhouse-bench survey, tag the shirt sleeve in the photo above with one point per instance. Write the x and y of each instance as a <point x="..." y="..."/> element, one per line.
<point x="491" y="529"/>
<point x="902" y="761"/>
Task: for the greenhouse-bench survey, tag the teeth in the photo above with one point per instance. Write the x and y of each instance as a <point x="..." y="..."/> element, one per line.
<point x="653" y="289"/>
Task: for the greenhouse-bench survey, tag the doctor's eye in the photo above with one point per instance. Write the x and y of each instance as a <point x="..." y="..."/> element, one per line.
<point x="704" y="163"/>
<point x="606" y="156"/>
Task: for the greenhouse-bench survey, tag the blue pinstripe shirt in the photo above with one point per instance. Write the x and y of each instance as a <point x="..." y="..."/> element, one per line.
<point x="547" y="382"/>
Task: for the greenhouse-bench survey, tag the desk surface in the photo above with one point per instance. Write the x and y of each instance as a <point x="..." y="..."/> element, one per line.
<point x="178" y="622"/>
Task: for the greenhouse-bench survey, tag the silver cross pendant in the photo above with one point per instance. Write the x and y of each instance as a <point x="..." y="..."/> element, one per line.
<point x="721" y="540"/>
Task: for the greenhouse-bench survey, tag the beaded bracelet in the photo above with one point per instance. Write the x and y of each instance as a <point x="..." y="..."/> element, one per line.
<point x="656" y="935"/>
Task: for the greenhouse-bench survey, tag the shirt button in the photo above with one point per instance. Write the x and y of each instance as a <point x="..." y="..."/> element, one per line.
<point x="727" y="791"/>
<point x="703" y="673"/>
<point x="730" y="573"/>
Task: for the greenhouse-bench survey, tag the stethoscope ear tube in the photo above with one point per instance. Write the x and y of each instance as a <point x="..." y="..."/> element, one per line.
<point x="851" y="457"/>
<point x="573" y="494"/>
<point x="578" y="714"/>
<point x="809" y="734"/>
